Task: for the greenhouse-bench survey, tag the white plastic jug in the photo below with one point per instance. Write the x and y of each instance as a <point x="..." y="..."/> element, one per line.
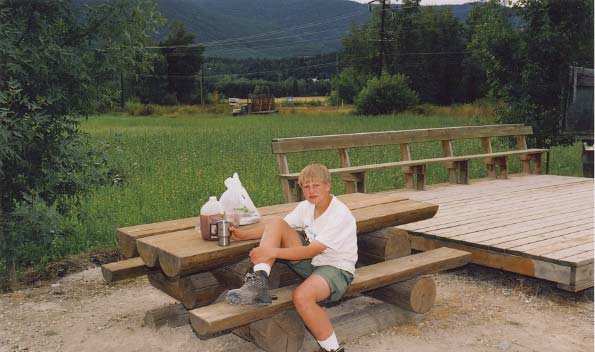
<point x="210" y="213"/>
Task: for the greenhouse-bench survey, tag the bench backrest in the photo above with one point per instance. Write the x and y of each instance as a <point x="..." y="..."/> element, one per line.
<point x="370" y="139"/>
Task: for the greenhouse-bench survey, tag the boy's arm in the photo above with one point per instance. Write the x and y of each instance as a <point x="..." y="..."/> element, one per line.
<point x="253" y="232"/>
<point x="263" y="254"/>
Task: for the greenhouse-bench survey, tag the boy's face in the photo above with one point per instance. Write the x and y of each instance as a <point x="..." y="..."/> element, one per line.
<point x="316" y="191"/>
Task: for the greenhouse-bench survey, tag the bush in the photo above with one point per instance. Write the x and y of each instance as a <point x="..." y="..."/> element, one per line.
<point x="347" y="85"/>
<point x="385" y="95"/>
<point x="144" y="109"/>
<point x="170" y="99"/>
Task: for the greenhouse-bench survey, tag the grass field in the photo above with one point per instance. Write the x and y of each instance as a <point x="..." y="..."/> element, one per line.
<point x="172" y="165"/>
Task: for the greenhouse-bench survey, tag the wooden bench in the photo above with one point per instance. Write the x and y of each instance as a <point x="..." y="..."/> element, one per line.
<point x="354" y="177"/>
<point x="222" y="316"/>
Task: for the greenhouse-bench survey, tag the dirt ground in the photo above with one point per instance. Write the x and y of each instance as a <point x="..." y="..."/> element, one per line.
<point x="476" y="309"/>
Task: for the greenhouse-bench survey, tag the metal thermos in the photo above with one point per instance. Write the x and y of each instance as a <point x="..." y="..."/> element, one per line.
<point x="223" y="232"/>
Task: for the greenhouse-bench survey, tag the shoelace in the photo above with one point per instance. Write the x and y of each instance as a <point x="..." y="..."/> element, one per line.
<point x="251" y="278"/>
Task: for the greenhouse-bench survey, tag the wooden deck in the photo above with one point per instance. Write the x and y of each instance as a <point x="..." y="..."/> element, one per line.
<point x="536" y="225"/>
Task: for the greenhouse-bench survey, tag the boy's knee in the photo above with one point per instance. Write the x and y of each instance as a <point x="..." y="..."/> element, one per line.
<point x="277" y="224"/>
<point x="302" y="298"/>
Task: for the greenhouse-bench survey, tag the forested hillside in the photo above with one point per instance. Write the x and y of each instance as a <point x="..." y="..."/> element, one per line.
<point x="294" y="27"/>
<point x="269" y="28"/>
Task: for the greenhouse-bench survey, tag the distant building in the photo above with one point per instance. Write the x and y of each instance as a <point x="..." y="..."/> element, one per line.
<point x="578" y="115"/>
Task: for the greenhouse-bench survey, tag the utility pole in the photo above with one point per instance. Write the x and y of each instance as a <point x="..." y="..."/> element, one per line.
<point x="382" y="60"/>
<point x="202" y="78"/>
<point x="122" y="102"/>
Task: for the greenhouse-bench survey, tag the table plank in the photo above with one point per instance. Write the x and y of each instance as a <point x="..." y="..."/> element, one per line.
<point x="184" y="252"/>
<point x="127" y="236"/>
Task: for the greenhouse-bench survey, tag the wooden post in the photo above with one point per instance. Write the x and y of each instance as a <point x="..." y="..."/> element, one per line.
<point x="420" y="177"/>
<point x="452" y="172"/>
<point x="463" y="166"/>
<point x="382" y="245"/>
<point x="521" y="144"/>
<point x="350" y="185"/>
<point x="172" y="315"/>
<point x="537" y="163"/>
<point x="406" y="155"/>
<point x="502" y="163"/>
<point x="284" y="331"/>
<point x="361" y="182"/>
<point x="125" y="269"/>
<point x="416" y="295"/>
<point x="192" y="291"/>
<point x="487" y="149"/>
<point x="284" y="169"/>
<point x="295" y="190"/>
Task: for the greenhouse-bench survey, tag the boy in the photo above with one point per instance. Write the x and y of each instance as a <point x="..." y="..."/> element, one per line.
<point x="318" y="241"/>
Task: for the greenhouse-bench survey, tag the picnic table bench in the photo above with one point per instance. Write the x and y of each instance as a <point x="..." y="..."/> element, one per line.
<point x="196" y="272"/>
<point x="354" y="176"/>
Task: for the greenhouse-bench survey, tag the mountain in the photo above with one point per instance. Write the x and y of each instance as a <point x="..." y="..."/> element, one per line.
<point x="269" y="28"/>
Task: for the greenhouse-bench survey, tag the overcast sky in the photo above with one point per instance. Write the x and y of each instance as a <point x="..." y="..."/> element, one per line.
<point x="428" y="2"/>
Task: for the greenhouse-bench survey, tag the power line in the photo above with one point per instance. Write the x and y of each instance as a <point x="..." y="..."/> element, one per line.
<point x="251" y="36"/>
<point x="350" y="59"/>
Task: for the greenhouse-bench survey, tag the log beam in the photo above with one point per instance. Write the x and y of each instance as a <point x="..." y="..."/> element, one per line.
<point x="415" y="295"/>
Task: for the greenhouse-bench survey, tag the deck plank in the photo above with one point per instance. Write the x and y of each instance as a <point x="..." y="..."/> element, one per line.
<point x="545" y="219"/>
<point x="456" y="217"/>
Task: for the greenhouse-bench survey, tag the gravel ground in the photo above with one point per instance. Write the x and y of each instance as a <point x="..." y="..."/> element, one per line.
<point x="476" y="309"/>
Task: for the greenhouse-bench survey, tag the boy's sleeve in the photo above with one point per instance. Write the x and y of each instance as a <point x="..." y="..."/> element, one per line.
<point x="295" y="218"/>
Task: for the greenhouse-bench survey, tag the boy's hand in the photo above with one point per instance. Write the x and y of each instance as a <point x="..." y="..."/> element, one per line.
<point x="262" y="254"/>
<point x="237" y="234"/>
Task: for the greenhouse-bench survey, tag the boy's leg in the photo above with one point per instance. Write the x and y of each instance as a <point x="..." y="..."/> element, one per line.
<point x="305" y="298"/>
<point x="277" y="234"/>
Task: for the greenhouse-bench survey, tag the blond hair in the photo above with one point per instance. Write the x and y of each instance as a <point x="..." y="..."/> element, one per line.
<point x="314" y="172"/>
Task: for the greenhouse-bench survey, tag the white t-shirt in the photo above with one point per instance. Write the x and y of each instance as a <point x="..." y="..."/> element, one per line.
<point x="335" y="228"/>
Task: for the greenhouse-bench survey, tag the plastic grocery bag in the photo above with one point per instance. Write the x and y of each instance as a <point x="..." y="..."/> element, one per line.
<point x="237" y="201"/>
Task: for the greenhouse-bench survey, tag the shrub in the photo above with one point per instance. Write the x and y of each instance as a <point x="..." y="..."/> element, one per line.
<point x="385" y="95"/>
<point x="347" y="85"/>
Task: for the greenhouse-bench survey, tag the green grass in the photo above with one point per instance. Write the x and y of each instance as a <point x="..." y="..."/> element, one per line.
<point x="172" y="165"/>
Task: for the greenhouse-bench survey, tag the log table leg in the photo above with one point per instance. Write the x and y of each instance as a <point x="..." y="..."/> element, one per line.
<point x="282" y="332"/>
<point x="416" y="295"/>
<point x="192" y="291"/>
<point x="383" y="245"/>
<point x="172" y="315"/>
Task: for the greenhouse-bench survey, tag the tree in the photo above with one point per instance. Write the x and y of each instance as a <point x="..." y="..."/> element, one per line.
<point x="527" y="65"/>
<point x="348" y="84"/>
<point x="425" y="43"/>
<point x="385" y="95"/>
<point x="57" y="63"/>
<point x="184" y="60"/>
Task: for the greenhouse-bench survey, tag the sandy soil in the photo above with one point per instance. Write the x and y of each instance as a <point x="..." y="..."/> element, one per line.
<point x="476" y="309"/>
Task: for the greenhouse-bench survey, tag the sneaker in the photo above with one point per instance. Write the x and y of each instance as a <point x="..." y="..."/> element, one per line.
<point x="340" y="349"/>
<point x="254" y="291"/>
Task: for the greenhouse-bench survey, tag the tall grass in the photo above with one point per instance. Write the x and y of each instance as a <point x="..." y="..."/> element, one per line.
<point x="172" y="166"/>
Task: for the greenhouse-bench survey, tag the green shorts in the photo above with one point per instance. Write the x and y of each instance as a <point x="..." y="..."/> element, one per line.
<point x="337" y="279"/>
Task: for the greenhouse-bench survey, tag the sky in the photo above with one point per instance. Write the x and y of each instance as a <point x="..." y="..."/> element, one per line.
<point x="428" y="2"/>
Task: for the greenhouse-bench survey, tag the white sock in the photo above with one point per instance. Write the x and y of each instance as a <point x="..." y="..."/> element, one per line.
<point x="264" y="267"/>
<point x="331" y="343"/>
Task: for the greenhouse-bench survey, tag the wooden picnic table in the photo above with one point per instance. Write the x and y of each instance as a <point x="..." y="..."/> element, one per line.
<point x="177" y="248"/>
<point x="195" y="272"/>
